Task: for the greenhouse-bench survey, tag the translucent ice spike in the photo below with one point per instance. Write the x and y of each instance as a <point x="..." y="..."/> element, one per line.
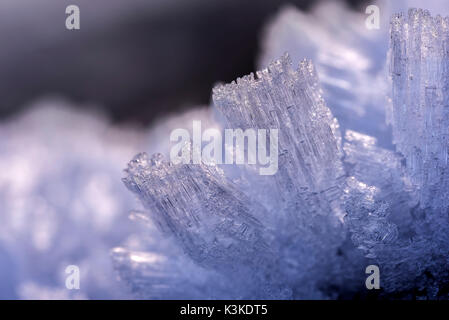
<point x="419" y="68"/>
<point x="214" y="222"/>
<point x="281" y="97"/>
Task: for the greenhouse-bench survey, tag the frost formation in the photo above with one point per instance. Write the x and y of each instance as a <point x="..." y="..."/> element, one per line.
<point x="336" y="204"/>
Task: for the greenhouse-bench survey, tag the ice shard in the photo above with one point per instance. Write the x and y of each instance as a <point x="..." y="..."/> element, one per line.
<point x="288" y="99"/>
<point x="217" y="226"/>
<point x="213" y="221"/>
<point x="419" y="113"/>
<point x="397" y="203"/>
<point x="348" y="57"/>
<point x="308" y="187"/>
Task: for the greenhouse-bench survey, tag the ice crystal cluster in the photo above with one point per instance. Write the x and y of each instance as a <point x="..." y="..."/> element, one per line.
<point x="335" y="205"/>
<point x="351" y="189"/>
<point x="263" y="243"/>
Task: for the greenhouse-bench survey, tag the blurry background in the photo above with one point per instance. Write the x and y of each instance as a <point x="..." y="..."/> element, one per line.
<point x="135" y="58"/>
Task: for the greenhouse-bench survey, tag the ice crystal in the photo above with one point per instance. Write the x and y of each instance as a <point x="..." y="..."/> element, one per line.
<point x="335" y="205"/>
<point x="284" y="236"/>
<point x="178" y="198"/>
<point x="419" y="66"/>
<point x="270" y="248"/>
<point x="349" y="60"/>
<point x="396" y="203"/>
<point x="224" y="235"/>
<point x="283" y="98"/>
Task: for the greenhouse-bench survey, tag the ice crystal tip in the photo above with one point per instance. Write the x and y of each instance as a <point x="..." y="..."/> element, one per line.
<point x="275" y="67"/>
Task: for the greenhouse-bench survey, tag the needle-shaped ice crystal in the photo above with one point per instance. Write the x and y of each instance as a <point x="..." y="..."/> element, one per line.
<point x="419" y="114"/>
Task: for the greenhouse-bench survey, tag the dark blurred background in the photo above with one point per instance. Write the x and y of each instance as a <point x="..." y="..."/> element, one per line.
<point x="135" y="59"/>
